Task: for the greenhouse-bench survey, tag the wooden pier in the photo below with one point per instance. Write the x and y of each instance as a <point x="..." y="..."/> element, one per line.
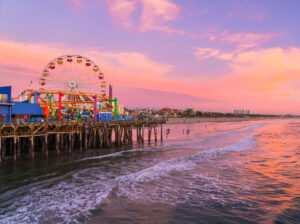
<point x="20" y="138"/>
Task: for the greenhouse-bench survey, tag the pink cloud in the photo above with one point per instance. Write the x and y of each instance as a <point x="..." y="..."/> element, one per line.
<point x="154" y="14"/>
<point x="121" y="11"/>
<point x="204" y="53"/>
<point x="239" y="40"/>
<point x="257" y="75"/>
<point x="245" y="40"/>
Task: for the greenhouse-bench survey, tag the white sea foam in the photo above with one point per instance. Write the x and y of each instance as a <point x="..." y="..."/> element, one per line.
<point x="101" y="157"/>
<point x="185" y="163"/>
<point x="76" y="195"/>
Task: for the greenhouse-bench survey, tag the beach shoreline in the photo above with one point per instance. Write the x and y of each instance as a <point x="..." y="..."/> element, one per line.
<point x="219" y="119"/>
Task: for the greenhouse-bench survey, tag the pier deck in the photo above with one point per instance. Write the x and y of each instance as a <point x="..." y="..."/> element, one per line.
<point x="18" y="138"/>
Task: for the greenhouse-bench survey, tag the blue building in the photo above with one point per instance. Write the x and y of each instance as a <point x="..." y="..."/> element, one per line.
<point x="17" y="110"/>
<point x="104" y="116"/>
<point x="5" y="104"/>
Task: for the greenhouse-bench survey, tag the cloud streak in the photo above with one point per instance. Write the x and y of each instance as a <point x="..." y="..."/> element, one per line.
<point x="241" y="40"/>
<point x="153" y="14"/>
<point x="245" y="40"/>
<point x="121" y="12"/>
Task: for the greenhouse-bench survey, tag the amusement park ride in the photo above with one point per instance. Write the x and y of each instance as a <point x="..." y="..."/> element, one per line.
<point x="61" y="89"/>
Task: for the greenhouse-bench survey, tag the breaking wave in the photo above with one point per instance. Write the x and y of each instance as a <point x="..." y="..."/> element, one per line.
<point x="72" y="197"/>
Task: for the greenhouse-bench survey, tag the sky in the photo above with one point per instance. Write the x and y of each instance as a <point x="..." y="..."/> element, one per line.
<point x="212" y="55"/>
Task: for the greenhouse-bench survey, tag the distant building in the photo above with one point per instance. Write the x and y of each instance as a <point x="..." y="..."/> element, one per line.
<point x="120" y="109"/>
<point x="166" y="111"/>
<point x="144" y="111"/>
<point x="193" y="110"/>
<point x="242" y="112"/>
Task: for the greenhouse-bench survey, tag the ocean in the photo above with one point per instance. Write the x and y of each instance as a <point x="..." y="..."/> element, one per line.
<point x="231" y="172"/>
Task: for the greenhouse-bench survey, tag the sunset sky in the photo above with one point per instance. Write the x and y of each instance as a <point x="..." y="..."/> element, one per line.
<point x="213" y="55"/>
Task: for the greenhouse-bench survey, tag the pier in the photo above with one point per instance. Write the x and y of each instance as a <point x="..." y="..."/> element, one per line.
<point x="30" y="138"/>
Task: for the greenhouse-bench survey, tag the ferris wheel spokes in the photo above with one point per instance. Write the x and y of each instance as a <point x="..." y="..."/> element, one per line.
<point x="76" y="75"/>
<point x="75" y="69"/>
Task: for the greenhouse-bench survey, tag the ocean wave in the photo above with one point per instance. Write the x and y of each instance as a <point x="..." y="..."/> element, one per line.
<point x="185" y="163"/>
<point x="135" y="186"/>
<point x="76" y="194"/>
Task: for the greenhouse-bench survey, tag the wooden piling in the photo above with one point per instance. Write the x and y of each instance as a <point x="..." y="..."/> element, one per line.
<point x="15" y="148"/>
<point x="86" y="138"/>
<point x="4" y="140"/>
<point x="61" y="142"/>
<point x="57" y="144"/>
<point x="90" y="140"/>
<point x="131" y="130"/>
<point x="11" y="144"/>
<point x="70" y="142"/>
<point x="125" y="136"/>
<point x="43" y="147"/>
<point x="161" y="132"/>
<point x="46" y="145"/>
<point x="94" y="138"/>
<point x="155" y="133"/>
<point x="119" y="135"/>
<point x="80" y="140"/>
<point x="105" y="138"/>
<point x="19" y="142"/>
<point x="110" y="136"/>
<point x="149" y="134"/>
<point x="73" y="140"/>
<point x="32" y="146"/>
<point x="100" y="138"/>
<point x="142" y="138"/>
<point x="116" y="135"/>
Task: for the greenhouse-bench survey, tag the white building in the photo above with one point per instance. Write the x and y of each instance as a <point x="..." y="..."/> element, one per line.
<point x="120" y="109"/>
<point x="242" y="112"/>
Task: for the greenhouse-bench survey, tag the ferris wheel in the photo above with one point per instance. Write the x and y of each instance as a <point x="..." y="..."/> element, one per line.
<point x="72" y="73"/>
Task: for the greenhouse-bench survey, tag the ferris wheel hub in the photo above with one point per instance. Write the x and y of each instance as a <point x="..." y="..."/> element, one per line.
<point x="73" y="84"/>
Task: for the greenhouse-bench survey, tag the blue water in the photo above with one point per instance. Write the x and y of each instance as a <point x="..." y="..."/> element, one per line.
<point x="235" y="172"/>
